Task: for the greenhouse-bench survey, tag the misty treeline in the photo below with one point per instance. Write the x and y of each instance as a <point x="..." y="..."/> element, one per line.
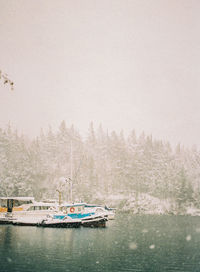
<point x="101" y="164"/>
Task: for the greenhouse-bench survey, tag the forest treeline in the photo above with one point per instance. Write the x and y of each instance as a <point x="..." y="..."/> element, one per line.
<point x="101" y="164"/>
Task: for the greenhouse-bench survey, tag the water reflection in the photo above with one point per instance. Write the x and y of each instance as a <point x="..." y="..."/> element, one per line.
<point x="130" y="243"/>
<point x="5" y="237"/>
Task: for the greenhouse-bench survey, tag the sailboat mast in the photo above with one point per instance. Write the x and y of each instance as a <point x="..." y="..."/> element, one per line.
<point x="71" y="170"/>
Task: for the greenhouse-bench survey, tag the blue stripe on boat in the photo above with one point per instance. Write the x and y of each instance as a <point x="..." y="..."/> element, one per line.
<point x="73" y="215"/>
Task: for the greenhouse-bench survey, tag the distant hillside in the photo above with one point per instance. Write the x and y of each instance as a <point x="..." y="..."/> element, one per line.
<point x="102" y="164"/>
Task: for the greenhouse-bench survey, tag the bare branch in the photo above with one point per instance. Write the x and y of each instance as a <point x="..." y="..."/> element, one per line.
<point x="5" y="79"/>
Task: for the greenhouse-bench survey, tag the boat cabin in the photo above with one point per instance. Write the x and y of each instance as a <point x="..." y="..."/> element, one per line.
<point x="42" y="206"/>
<point x="73" y="208"/>
<point x="9" y="204"/>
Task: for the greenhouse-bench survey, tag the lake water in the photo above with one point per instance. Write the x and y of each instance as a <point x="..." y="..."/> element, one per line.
<point x="129" y="243"/>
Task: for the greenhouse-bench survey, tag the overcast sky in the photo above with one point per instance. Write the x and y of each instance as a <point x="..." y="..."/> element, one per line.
<point x="126" y="64"/>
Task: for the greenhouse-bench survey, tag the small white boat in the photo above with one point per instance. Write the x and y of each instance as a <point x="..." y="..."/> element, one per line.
<point x="36" y="211"/>
<point x="89" y="217"/>
<point x="23" y="207"/>
<point x="107" y="212"/>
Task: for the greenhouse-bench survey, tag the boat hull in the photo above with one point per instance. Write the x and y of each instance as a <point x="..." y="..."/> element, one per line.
<point x="21" y="223"/>
<point x="59" y="225"/>
<point x="53" y="223"/>
<point x="94" y="222"/>
<point x="4" y="221"/>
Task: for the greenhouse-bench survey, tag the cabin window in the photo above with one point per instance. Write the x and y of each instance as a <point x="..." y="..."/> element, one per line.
<point x="18" y="203"/>
<point x="3" y="203"/>
<point x="30" y="209"/>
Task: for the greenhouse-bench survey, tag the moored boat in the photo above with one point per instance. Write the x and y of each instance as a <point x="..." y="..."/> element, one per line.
<point x="24" y="211"/>
<point x="37" y="210"/>
<point x="74" y="210"/>
<point x="88" y="217"/>
<point x="96" y="209"/>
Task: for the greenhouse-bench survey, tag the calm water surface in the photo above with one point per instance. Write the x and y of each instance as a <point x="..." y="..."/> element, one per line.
<point x="129" y="243"/>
